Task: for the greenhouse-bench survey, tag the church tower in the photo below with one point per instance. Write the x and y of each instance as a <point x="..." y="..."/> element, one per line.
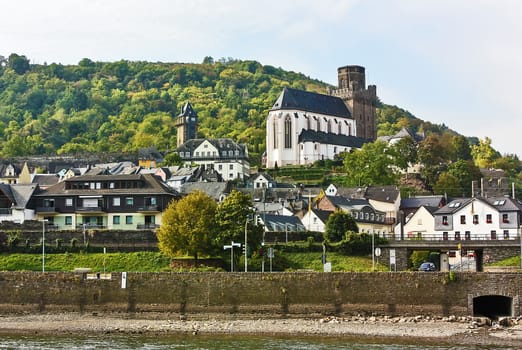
<point x="361" y="101"/>
<point x="186" y="124"/>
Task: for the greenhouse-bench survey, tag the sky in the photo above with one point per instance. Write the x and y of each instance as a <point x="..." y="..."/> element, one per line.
<point x="452" y="62"/>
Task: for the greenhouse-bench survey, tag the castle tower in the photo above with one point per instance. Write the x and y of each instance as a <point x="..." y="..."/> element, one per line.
<point x="361" y="101"/>
<point x="186" y="124"/>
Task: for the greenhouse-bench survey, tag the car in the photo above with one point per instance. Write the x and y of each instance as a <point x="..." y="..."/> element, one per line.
<point x="427" y="266"/>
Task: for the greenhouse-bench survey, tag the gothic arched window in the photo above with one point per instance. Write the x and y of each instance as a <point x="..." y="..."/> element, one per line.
<point x="288" y="132"/>
<point x="275" y="133"/>
<point x="318" y="124"/>
<point x="329" y="126"/>
<point x="349" y="129"/>
<point x="340" y="131"/>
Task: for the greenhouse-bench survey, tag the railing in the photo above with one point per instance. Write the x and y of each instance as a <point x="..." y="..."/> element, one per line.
<point x="90" y="209"/>
<point x="149" y="208"/>
<point x="463" y="237"/>
<point x="46" y="210"/>
<point x="147" y="226"/>
<point x="90" y="226"/>
<point x="6" y="211"/>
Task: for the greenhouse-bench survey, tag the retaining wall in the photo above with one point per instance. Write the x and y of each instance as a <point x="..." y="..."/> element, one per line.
<point x="299" y="294"/>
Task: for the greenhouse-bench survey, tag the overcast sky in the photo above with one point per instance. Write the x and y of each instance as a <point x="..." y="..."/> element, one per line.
<point x="446" y="61"/>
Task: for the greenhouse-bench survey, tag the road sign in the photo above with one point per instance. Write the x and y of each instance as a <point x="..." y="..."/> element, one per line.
<point x="378" y="251"/>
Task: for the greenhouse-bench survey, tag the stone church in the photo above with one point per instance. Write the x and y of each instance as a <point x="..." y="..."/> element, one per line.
<point x="303" y="127"/>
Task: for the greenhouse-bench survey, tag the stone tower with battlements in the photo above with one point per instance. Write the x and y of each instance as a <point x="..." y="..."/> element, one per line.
<point x="360" y="100"/>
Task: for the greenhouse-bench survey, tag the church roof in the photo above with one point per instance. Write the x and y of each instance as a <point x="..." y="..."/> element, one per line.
<point x="311" y="102"/>
<point x="331" y="139"/>
<point x="221" y="144"/>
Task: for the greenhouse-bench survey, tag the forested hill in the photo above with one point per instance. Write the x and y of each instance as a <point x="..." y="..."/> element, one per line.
<point x="123" y="106"/>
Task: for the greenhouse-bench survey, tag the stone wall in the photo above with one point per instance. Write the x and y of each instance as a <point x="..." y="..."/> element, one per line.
<point x="245" y="295"/>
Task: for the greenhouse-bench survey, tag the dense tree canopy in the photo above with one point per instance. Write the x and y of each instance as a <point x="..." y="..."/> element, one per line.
<point x="338" y="225"/>
<point x="188" y="226"/>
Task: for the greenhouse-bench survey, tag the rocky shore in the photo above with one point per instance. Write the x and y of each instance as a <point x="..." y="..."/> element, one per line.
<point x="454" y="330"/>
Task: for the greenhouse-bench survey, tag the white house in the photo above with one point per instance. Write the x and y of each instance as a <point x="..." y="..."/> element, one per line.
<point x="14" y="200"/>
<point x="421" y="224"/>
<point x="478" y="219"/>
<point x="315" y="220"/>
<point x="228" y="158"/>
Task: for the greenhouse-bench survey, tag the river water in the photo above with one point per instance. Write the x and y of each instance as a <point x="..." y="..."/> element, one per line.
<point x="213" y="342"/>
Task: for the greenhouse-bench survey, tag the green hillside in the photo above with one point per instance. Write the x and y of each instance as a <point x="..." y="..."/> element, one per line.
<point x="122" y="106"/>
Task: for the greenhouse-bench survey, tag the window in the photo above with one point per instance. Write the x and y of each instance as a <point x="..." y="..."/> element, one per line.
<point x="231" y="166"/>
<point x="116" y="201"/>
<point x="506" y="234"/>
<point x="493" y="234"/>
<point x="349" y="129"/>
<point x="68" y="202"/>
<point x="48" y="203"/>
<point x="116" y="220"/>
<point x="488" y="219"/>
<point x="128" y="219"/>
<point x="445" y="236"/>
<point x="475" y="219"/>
<point x="275" y="133"/>
<point x="505" y="218"/>
<point x="444" y="220"/>
<point x="318" y="125"/>
<point x="220" y="167"/>
<point x="288" y="132"/>
<point x="68" y="220"/>
<point x="129" y="201"/>
<point x="457" y="235"/>
<point x="463" y="219"/>
<point x="329" y="126"/>
<point x="340" y="129"/>
<point x="467" y="235"/>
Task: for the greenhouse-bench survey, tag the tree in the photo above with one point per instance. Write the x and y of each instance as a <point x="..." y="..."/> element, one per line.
<point x="372" y="164"/>
<point x="231" y="216"/>
<point x="338" y="224"/>
<point x="461" y="147"/>
<point x="447" y="184"/>
<point x="20" y="64"/>
<point x="484" y="154"/>
<point x="188" y="226"/>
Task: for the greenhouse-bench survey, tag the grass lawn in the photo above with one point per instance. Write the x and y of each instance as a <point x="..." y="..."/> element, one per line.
<point x="155" y="262"/>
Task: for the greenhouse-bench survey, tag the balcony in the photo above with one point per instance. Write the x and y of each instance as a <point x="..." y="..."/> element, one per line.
<point x="148" y="209"/>
<point x="90" y="210"/>
<point x="46" y="210"/>
<point x="147" y="226"/>
<point x="6" y="211"/>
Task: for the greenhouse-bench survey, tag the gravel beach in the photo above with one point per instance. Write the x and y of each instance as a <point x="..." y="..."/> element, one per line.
<point x="448" y="330"/>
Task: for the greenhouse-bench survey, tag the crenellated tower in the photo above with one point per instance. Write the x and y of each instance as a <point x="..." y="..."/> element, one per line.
<point x="360" y="100"/>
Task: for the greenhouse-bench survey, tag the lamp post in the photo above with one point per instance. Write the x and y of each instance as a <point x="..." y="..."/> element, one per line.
<point x="246" y="246"/>
<point x="43" y="244"/>
<point x="231" y="247"/>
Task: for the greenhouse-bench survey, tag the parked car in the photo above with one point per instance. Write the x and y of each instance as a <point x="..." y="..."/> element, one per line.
<point x="427" y="266"/>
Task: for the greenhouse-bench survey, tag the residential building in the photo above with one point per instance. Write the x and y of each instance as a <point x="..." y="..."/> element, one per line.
<point x="420" y="224"/>
<point x="478" y="219"/>
<point x="15" y="202"/>
<point x="226" y="157"/>
<point x="125" y="202"/>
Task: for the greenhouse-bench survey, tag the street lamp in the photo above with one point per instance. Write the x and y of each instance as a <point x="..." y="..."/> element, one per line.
<point x="231" y="247"/>
<point x="43" y="244"/>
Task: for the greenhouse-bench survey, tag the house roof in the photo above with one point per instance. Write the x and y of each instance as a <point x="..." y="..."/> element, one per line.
<point x="151" y="185"/>
<point x="212" y="189"/>
<point x="331" y="139"/>
<point x="504" y="203"/>
<point x="387" y="194"/>
<point x="293" y="99"/>
<point x="454" y="206"/>
<point x="45" y="180"/>
<point x="323" y="215"/>
<point x="417" y="202"/>
<point x="221" y="144"/>
<point x="282" y="222"/>
<point x="22" y="194"/>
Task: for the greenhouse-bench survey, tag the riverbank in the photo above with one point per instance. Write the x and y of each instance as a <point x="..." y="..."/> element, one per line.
<point x="450" y="330"/>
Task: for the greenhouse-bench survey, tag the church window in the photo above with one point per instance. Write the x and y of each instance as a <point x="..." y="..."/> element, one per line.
<point x="340" y="131"/>
<point x="308" y="126"/>
<point x="349" y="129"/>
<point x="275" y="134"/>
<point x="329" y="126"/>
<point x="318" y="124"/>
<point x="288" y="132"/>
